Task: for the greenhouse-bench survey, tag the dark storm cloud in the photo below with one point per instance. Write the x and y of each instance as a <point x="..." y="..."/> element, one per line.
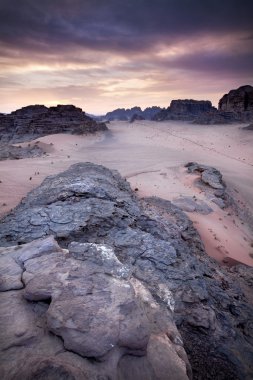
<point x="104" y="54"/>
<point x="215" y="63"/>
<point x="132" y="25"/>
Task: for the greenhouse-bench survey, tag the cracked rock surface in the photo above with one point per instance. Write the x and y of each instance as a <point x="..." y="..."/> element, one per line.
<point x="79" y="314"/>
<point x="131" y="267"/>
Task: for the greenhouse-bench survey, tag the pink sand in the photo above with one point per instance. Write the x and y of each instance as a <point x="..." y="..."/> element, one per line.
<point x="151" y="156"/>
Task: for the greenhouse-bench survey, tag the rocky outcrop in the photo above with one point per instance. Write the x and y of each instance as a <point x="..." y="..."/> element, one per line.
<point x="192" y="204"/>
<point x="239" y="103"/>
<point x="234" y="107"/>
<point x="209" y="175"/>
<point x="123" y="114"/>
<point x="149" y="112"/>
<point x="191" y="106"/>
<point x="239" y="100"/>
<point x="127" y="114"/>
<point x="80" y="314"/>
<point x="125" y="255"/>
<point x="12" y="152"/>
<point x="36" y="121"/>
<point x="217" y="117"/>
<point x="210" y="181"/>
<point x="186" y="109"/>
<point x="136" y="117"/>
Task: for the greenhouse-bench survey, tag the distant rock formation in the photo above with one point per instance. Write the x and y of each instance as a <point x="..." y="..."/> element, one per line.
<point x="12" y="152"/>
<point x="216" y="117"/>
<point x="106" y="306"/>
<point x="149" y="112"/>
<point x="234" y="107"/>
<point x="191" y="106"/>
<point x="178" y="110"/>
<point x="136" y="117"/>
<point x="239" y="100"/>
<point x="127" y="114"/>
<point x="123" y="114"/>
<point x="186" y="109"/>
<point x="239" y="103"/>
<point x="36" y="121"/>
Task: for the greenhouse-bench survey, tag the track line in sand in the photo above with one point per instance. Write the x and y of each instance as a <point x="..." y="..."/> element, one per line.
<point x="135" y="174"/>
<point x="202" y="146"/>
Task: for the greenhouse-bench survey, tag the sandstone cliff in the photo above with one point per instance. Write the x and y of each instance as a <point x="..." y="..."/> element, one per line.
<point x="234" y="107"/>
<point x="186" y="109"/>
<point x="239" y="100"/>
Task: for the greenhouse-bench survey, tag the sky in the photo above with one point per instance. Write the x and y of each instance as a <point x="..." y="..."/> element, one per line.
<point x="105" y="54"/>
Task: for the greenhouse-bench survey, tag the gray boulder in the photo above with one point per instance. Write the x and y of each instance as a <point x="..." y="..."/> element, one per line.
<point x="210" y="176"/>
<point x="211" y="182"/>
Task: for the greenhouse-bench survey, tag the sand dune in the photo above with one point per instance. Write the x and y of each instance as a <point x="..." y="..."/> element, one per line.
<point x="152" y="157"/>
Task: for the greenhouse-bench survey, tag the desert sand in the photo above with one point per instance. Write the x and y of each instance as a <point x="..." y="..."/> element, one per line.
<point x="152" y="156"/>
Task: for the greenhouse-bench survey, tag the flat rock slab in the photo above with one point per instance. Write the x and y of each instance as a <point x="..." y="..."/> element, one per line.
<point x="86" y="296"/>
<point x="192" y="204"/>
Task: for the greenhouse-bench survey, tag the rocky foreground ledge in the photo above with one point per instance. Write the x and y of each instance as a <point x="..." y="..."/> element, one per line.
<point x="125" y="293"/>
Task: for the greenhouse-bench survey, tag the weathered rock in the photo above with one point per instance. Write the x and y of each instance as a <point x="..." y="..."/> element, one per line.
<point x="240" y="102"/>
<point x="156" y="249"/>
<point x="190" y="106"/>
<point x="210" y="181"/>
<point x="35" y="121"/>
<point x="217" y="117"/>
<point x="206" y="296"/>
<point x="123" y="114"/>
<point x="234" y="107"/>
<point x="136" y="117"/>
<point x="87" y="297"/>
<point x="210" y="176"/>
<point x="12" y="152"/>
<point x="149" y="112"/>
<point x="186" y="109"/>
<point x="128" y="114"/>
<point x="192" y="204"/>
